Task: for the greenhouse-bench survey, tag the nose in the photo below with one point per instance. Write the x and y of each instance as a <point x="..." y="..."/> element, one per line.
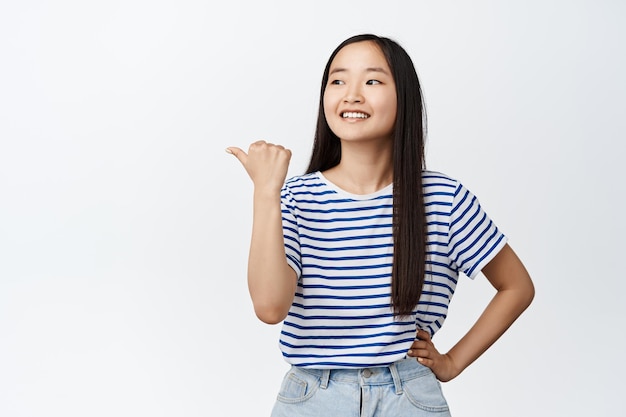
<point x="353" y="95"/>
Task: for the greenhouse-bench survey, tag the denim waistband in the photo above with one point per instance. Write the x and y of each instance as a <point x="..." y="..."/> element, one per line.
<point x="395" y="373"/>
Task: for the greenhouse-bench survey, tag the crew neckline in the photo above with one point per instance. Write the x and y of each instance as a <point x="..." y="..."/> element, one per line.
<point x="388" y="189"/>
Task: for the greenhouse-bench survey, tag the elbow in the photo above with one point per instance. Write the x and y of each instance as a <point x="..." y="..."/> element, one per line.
<point x="270" y="314"/>
<point x="529" y="294"/>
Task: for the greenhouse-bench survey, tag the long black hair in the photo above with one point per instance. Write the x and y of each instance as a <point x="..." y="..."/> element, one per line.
<point x="409" y="218"/>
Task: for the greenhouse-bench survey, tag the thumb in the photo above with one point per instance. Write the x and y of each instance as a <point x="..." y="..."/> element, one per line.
<point x="238" y="153"/>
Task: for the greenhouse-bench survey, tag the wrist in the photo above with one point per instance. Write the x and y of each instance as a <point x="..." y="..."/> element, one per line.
<point x="454" y="368"/>
<point x="267" y="191"/>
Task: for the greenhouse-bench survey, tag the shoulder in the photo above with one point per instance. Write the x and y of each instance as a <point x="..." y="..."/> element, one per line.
<point x="439" y="185"/>
<point x="302" y="180"/>
<point x="302" y="183"/>
<point x="430" y="177"/>
<point x="302" y="186"/>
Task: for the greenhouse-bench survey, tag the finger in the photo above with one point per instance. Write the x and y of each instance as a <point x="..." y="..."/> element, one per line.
<point x="238" y="153"/>
<point x="422" y="335"/>
<point x="284" y="150"/>
<point x="426" y="362"/>
<point x="419" y="344"/>
<point x="419" y="353"/>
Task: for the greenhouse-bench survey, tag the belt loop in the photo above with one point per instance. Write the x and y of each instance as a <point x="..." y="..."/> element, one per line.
<point x="396" y="378"/>
<point x="324" y="378"/>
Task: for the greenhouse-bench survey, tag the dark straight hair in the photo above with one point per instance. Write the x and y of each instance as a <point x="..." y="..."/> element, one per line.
<point x="409" y="218"/>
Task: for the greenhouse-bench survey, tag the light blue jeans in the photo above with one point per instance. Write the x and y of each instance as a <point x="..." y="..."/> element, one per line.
<point x="405" y="388"/>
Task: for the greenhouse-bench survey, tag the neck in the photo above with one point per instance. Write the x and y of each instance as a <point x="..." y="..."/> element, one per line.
<point x="364" y="168"/>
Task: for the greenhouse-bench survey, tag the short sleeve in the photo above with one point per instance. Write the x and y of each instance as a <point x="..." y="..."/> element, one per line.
<point x="290" y="231"/>
<point x="473" y="239"/>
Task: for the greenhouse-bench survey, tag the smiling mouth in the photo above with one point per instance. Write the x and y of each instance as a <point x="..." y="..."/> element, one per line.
<point x="354" y="115"/>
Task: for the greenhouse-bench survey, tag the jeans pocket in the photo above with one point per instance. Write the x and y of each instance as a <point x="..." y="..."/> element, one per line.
<point x="424" y="392"/>
<point x="298" y="386"/>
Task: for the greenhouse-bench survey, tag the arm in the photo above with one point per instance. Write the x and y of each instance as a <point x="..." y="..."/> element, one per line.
<point x="271" y="281"/>
<point x="515" y="292"/>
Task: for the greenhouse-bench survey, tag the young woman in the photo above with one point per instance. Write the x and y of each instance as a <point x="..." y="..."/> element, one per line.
<point x="359" y="257"/>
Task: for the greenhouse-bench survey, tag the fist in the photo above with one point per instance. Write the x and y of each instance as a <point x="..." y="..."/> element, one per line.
<point x="265" y="163"/>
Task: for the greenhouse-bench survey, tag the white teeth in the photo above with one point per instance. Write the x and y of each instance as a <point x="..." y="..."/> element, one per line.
<point x="354" y="115"/>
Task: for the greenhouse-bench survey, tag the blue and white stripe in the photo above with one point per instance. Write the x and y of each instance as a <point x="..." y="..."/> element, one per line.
<point x="341" y="247"/>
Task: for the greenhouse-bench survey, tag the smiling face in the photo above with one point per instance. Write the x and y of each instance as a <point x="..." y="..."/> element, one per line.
<point x="360" y="97"/>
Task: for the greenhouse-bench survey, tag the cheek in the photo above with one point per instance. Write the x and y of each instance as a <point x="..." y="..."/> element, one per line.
<point x="328" y="102"/>
<point x="394" y="112"/>
<point x="393" y="109"/>
<point x="329" y="109"/>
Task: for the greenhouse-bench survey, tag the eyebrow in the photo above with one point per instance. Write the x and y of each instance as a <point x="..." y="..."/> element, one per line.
<point x="371" y="69"/>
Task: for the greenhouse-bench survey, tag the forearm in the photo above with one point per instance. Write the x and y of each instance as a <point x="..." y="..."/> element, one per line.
<point x="505" y="307"/>
<point x="271" y="281"/>
<point x="515" y="291"/>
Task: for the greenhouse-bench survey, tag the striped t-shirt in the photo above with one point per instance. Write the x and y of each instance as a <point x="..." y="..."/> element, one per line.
<point x="341" y="247"/>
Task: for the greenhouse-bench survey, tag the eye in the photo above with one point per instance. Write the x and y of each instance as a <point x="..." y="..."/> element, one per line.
<point x="373" y="82"/>
<point x="337" y="82"/>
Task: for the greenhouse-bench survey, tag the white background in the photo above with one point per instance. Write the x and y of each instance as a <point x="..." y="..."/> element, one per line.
<point x="124" y="226"/>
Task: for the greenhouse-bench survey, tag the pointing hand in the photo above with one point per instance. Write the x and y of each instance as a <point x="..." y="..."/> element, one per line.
<point x="265" y="163"/>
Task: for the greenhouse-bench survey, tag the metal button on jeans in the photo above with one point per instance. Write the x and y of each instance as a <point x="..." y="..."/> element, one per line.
<point x="367" y="373"/>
